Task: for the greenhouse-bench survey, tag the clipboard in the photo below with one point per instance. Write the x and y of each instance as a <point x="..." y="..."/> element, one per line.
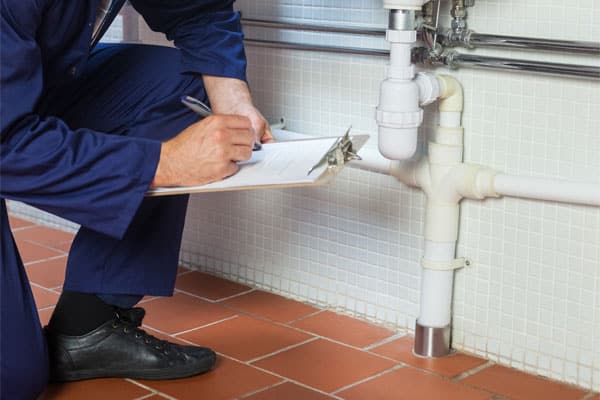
<point x="285" y="164"/>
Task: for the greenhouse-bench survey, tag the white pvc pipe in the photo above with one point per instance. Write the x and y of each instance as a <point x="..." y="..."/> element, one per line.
<point x="544" y="189"/>
<point x="372" y="160"/>
<point x="436" y="286"/>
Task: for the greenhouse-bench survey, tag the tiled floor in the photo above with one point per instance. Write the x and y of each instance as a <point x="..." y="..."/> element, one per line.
<point x="272" y="348"/>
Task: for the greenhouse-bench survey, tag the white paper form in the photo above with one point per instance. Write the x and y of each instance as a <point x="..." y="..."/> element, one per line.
<point x="277" y="164"/>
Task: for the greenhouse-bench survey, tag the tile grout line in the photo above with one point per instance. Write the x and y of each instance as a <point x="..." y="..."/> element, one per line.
<point x="233" y="296"/>
<point x="146" y="396"/>
<point x="264" y="389"/>
<point x="387" y="340"/>
<point x="154" y="391"/>
<point x="206" y="325"/>
<point x="27" y="264"/>
<point x="304" y="385"/>
<point x="306" y="316"/>
<point x="174" y="335"/>
<point x="213" y="301"/>
<point x="589" y="396"/>
<point x="253" y="360"/>
<point x="369" y="378"/>
<point x="472" y="371"/>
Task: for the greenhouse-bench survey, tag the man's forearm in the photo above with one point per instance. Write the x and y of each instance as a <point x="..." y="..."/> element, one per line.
<point x="226" y="94"/>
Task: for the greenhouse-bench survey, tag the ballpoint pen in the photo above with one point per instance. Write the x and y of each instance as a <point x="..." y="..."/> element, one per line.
<point x="202" y="109"/>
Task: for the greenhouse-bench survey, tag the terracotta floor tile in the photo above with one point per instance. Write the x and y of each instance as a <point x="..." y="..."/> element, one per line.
<point x="208" y="286"/>
<point x="44" y="235"/>
<point x="49" y="274"/>
<point x="596" y="397"/>
<point x="155" y="397"/>
<point x="16" y="223"/>
<point x="455" y="364"/>
<point x="44" y="298"/>
<point x="325" y="365"/>
<point x="519" y="385"/>
<point x="410" y="384"/>
<point x="95" y="389"/>
<point x="182" y="312"/>
<point x="64" y="246"/>
<point x="288" y="391"/>
<point x="33" y="252"/>
<point x="344" y="329"/>
<point x="45" y="315"/>
<point x="181" y="270"/>
<point x="245" y="338"/>
<point x="227" y="381"/>
<point x="271" y="306"/>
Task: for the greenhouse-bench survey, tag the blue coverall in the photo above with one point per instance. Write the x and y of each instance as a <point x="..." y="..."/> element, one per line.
<point x="80" y="137"/>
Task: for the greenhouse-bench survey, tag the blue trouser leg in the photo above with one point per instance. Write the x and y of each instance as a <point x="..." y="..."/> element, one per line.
<point x="130" y="90"/>
<point x="23" y="355"/>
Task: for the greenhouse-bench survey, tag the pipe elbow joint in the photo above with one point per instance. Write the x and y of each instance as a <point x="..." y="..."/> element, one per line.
<point x="451" y="94"/>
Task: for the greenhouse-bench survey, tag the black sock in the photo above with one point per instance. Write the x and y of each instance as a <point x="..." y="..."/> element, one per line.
<point x="79" y="313"/>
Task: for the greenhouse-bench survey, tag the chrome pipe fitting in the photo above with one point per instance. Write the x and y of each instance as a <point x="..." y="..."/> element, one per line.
<point x="431" y="342"/>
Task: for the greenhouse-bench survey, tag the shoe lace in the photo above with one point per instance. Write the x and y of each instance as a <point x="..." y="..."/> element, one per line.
<point x="131" y="320"/>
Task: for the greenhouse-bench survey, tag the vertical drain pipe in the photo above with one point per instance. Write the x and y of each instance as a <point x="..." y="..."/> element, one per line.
<point x="432" y="330"/>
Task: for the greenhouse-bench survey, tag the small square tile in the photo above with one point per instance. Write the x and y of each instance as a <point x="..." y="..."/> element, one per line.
<point x="43" y="297"/>
<point x="49" y="274"/>
<point x="208" y="286"/>
<point x="271" y="306"/>
<point x="410" y="384"/>
<point x="44" y="235"/>
<point x="325" y="365"/>
<point x="182" y="312"/>
<point x="245" y="338"/>
<point x="344" y="329"/>
<point x="95" y="389"/>
<point x="31" y="252"/>
<point x="228" y="380"/>
<point x="288" y="391"/>
<point x="452" y="365"/>
<point x="518" y="385"/>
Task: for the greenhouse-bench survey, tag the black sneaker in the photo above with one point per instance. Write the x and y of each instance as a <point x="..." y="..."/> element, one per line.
<point x="119" y="348"/>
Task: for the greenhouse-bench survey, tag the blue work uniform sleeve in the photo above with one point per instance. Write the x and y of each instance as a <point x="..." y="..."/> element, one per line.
<point x="208" y="33"/>
<point x="92" y="178"/>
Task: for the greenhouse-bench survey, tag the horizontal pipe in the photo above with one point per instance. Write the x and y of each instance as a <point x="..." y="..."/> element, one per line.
<point x="504" y="185"/>
<point x="312" y="27"/>
<point x="471" y="60"/>
<point x="454" y="59"/>
<point x="475" y="39"/>
<point x="277" y="44"/>
<point x="545" y="189"/>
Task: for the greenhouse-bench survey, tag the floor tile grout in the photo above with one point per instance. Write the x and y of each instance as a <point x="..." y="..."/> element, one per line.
<point x="369" y="378"/>
<point x="472" y="371"/>
<point x="264" y="389"/>
<point x="282" y="350"/>
<point x="320" y="311"/>
<point x="27" y="264"/>
<point x="154" y="391"/>
<point x="205" y="325"/>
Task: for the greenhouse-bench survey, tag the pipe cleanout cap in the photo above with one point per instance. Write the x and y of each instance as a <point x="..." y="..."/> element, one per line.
<point x="397" y="143"/>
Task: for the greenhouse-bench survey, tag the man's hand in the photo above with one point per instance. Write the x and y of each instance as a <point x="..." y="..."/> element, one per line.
<point x="205" y="152"/>
<point x="231" y="96"/>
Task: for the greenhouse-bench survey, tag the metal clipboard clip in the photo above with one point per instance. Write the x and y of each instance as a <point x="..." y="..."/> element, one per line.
<point x="338" y="154"/>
